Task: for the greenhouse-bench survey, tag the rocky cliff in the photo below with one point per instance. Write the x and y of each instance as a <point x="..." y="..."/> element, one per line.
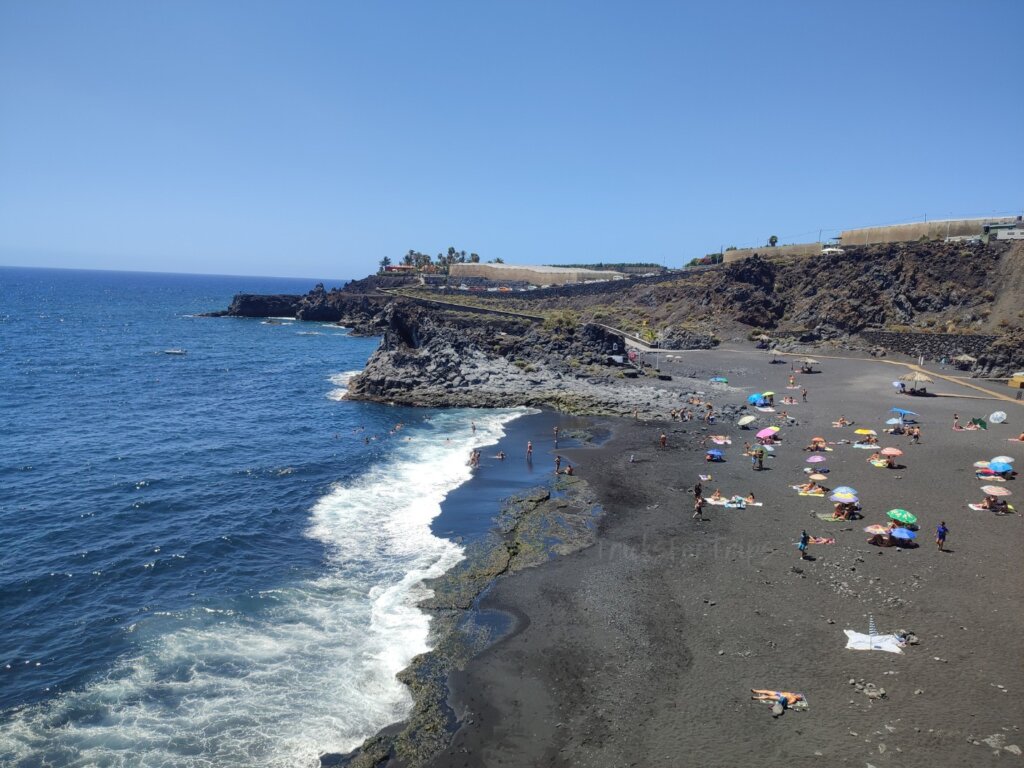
<point x="429" y="357"/>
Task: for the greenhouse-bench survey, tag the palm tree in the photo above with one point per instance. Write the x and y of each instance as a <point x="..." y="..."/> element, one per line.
<point x="410" y="258"/>
<point x="384" y="263"/>
<point x="474" y="258"/>
<point x="772" y="241"/>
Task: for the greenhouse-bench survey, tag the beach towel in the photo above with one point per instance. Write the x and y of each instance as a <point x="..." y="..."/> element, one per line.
<point x="866" y="446"/>
<point x="742" y="505"/>
<point x="805" y="493"/>
<point x="979" y="508"/>
<point x="827" y="517"/>
<point x="858" y="641"/>
<point x="721" y="441"/>
<point x="766" y="409"/>
<point x="879" y="463"/>
<point x="989" y="478"/>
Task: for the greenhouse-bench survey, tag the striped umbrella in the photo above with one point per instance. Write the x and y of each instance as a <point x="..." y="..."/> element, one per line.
<point x="995" y="490"/>
<point x="844" y="498"/>
<point x="845" y="489"/>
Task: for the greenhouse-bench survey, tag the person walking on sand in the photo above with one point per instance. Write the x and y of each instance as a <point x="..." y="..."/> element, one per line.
<point x="698" y="490"/>
<point x="529" y="450"/>
<point x="663" y="440"/>
<point x="804" y="393"/>
<point x="956" y="421"/>
<point x="802" y="546"/>
<point x="698" y="508"/>
<point x="558" y="463"/>
<point x="940" y="536"/>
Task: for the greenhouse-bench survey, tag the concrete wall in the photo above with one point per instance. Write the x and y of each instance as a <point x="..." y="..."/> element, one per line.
<point x="778" y="252"/>
<point x="532" y="275"/>
<point x="930" y="230"/>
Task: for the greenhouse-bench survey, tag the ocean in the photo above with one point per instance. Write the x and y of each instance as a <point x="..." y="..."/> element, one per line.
<point x="211" y="558"/>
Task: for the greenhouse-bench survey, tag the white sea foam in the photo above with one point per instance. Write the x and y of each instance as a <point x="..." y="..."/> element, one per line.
<point x="313" y="671"/>
<point x="340" y="380"/>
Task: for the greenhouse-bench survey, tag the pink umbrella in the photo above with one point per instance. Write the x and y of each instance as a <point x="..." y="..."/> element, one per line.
<point x="816" y="459"/>
<point x="875" y="529"/>
<point x="995" y="490"/>
<point x="766" y="432"/>
<point x="891" y="452"/>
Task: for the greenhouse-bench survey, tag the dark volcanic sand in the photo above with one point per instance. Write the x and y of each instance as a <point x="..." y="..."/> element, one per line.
<point x="642" y="649"/>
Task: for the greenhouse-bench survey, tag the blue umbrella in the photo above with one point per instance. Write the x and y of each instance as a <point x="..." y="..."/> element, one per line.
<point x="902" y="533"/>
<point x="1000" y="466"/>
<point x="844" y="489"/>
<point x="714" y="452"/>
<point x="894" y="421"/>
<point x="754" y="398"/>
<point x="902" y="412"/>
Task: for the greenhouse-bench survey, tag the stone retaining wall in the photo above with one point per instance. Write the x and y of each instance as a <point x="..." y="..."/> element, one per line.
<point x="934" y="346"/>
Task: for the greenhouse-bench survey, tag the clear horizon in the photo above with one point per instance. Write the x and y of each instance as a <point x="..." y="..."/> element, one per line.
<point x="258" y="139"/>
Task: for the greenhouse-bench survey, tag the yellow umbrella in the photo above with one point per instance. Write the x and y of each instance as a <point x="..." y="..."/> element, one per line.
<point x="768" y="394"/>
<point x="863" y="431"/>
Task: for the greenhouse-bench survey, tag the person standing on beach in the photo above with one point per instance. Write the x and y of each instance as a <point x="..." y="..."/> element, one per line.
<point x="698" y="490"/>
<point x="915" y="435"/>
<point x="940" y="536"/>
<point x="956" y="421"/>
<point x="698" y="508"/>
<point x="663" y="440"/>
<point x="529" y="450"/>
<point x="558" y="463"/>
<point x="802" y="546"/>
<point x="804" y="393"/>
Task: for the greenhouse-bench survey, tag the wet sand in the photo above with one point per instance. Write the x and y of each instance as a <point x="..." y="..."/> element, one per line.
<point x="642" y="649"/>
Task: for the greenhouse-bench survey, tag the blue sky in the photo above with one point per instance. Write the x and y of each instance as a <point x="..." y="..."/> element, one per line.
<point x="313" y="138"/>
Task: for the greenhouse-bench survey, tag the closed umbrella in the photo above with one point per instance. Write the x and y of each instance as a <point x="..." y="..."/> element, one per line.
<point x="902" y="533"/>
<point x="746" y="420"/>
<point x="902" y="516"/>
<point x="995" y="490"/>
<point x="891" y="452"/>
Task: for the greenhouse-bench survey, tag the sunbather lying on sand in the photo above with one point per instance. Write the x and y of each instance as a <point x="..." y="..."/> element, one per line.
<point x="811" y="487"/>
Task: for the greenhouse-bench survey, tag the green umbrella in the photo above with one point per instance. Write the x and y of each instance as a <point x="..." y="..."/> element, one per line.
<point x="980" y="422"/>
<point x="902" y="516"/>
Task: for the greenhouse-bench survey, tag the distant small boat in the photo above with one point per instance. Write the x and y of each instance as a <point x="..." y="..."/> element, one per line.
<point x="175" y="351"/>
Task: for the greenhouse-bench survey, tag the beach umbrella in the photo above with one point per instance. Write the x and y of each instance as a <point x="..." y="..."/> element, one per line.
<point x="902" y="516"/>
<point x="746" y="420"/>
<point x="893" y="421"/>
<point x="995" y="490"/>
<point x="815" y="459"/>
<point x="980" y="423"/>
<point x="754" y="398"/>
<point x="817" y="476"/>
<point x="903" y="412"/>
<point x="902" y="533"/>
<point x="766" y="432"/>
<point x="875" y="528"/>
<point x="1000" y="466"/>
<point x="714" y="452"/>
<point x="846" y="489"/>
<point x="844" y="498"/>
<point x="916" y="378"/>
<point x="981" y="465"/>
<point x="997" y="417"/>
<point x="891" y="452"/>
<point x="768" y="394"/>
<point x="896" y="384"/>
<point x="1005" y="459"/>
<point x="863" y="431"/>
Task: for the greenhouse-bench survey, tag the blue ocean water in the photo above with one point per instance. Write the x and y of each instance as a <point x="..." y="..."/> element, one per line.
<point x="209" y="558"/>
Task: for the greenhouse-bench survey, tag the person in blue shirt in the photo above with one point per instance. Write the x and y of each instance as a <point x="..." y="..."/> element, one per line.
<point x="940" y="535"/>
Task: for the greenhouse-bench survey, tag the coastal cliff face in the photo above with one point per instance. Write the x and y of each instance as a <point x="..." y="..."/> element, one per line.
<point x="450" y="359"/>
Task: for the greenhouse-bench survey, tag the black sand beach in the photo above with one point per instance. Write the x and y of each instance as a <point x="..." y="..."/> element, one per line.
<point x="642" y="649"/>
